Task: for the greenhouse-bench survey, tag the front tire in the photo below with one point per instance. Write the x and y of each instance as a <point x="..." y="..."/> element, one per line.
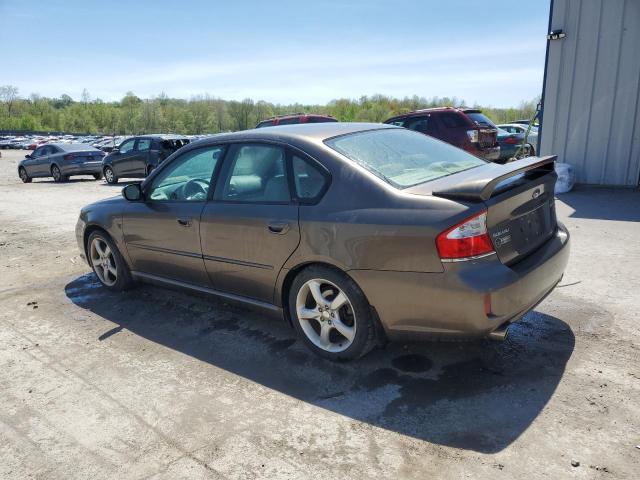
<point x="57" y="175"/>
<point x="97" y="176"/>
<point x="24" y="176"/>
<point x="110" y="176"/>
<point x="107" y="262"/>
<point x="331" y="314"/>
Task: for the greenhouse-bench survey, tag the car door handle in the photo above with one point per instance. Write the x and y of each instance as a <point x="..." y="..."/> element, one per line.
<point x="278" y="227"/>
<point x="184" y="221"/>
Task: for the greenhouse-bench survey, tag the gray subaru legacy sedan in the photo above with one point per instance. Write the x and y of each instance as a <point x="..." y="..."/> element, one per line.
<point x="354" y="233"/>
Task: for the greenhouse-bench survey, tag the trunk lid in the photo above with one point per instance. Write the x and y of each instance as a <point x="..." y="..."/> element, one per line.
<point x="519" y="197"/>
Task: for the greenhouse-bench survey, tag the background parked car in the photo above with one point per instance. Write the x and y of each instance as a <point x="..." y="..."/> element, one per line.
<point x="294" y="118"/>
<point x="136" y="157"/>
<point x="510" y="146"/>
<point x="60" y="161"/>
<point x="532" y="138"/>
<point x="468" y="129"/>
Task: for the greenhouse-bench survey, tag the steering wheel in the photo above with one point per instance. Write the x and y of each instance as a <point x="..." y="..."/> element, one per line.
<point x="195" y="187"/>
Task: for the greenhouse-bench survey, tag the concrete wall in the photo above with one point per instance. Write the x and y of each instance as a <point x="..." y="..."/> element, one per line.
<point x="592" y="93"/>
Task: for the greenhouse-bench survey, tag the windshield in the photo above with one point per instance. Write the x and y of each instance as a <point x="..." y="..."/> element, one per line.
<point x="402" y="157"/>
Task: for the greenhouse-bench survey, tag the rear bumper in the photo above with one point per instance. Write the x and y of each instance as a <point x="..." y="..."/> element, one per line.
<point x="453" y="303"/>
<point x="85" y="168"/>
<point x="491" y="154"/>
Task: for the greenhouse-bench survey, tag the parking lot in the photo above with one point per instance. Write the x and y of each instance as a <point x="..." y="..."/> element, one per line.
<point x="162" y="384"/>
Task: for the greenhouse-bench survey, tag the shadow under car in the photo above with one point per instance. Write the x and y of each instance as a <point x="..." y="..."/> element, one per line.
<point x="478" y="396"/>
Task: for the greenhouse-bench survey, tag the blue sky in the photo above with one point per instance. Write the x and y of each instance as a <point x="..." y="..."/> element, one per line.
<point x="489" y="52"/>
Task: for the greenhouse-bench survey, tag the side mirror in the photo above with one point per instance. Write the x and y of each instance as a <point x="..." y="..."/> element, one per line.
<point x="28" y="155"/>
<point x="115" y="150"/>
<point x="132" y="192"/>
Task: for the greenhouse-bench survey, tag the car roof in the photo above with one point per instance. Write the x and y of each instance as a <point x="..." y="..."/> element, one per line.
<point x="162" y="136"/>
<point x="431" y="110"/>
<point x="72" y="147"/>
<point x="297" y="132"/>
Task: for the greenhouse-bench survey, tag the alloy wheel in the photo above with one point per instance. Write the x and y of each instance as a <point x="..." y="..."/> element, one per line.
<point x="103" y="262"/>
<point x="23" y="175"/>
<point x="108" y="174"/>
<point x="55" y="171"/>
<point x="326" y="315"/>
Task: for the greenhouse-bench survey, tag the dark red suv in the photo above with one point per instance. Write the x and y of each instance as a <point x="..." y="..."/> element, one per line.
<point x="293" y="118"/>
<point x="465" y="128"/>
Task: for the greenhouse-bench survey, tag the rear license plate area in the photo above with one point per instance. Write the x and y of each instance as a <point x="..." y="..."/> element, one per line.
<point x="534" y="228"/>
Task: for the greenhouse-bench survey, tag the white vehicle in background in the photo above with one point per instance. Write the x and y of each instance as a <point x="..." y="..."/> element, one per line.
<point x="532" y="138"/>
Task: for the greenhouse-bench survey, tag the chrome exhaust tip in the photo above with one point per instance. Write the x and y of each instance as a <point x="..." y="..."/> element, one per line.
<point x="499" y="334"/>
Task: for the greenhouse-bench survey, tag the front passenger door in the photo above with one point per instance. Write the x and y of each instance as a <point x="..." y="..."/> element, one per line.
<point x="31" y="163"/>
<point x="121" y="158"/>
<point x="162" y="233"/>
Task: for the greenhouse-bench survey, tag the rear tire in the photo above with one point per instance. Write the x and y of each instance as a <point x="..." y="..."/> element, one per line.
<point x="331" y="314"/>
<point x="22" y="172"/>
<point x="107" y="262"/>
<point x="57" y="175"/>
<point x="110" y="176"/>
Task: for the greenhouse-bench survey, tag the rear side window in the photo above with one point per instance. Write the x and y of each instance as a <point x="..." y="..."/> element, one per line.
<point x="257" y="175"/>
<point x="398" y="123"/>
<point x="289" y="121"/>
<point x="267" y="123"/>
<point x="308" y="179"/>
<point x="320" y="120"/>
<point x="452" y="120"/>
<point x="144" y="144"/>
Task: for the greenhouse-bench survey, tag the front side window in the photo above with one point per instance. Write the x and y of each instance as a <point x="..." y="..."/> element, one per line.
<point x="256" y="174"/>
<point x="38" y="152"/>
<point x="127" y="146"/>
<point x="144" y="144"/>
<point x="308" y="179"/>
<point x="188" y="177"/>
<point x="402" y="157"/>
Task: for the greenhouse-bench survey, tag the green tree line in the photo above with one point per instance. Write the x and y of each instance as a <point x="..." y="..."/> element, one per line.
<point x="201" y="114"/>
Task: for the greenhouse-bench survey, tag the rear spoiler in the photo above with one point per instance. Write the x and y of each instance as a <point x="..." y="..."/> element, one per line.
<point x="477" y="184"/>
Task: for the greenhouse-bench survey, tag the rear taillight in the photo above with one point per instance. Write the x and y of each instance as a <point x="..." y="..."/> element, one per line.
<point x="474" y="135"/>
<point x="466" y="239"/>
<point x="69" y="157"/>
<point x="512" y="141"/>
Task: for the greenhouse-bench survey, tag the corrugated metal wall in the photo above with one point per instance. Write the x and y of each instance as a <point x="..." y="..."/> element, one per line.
<point x="592" y="96"/>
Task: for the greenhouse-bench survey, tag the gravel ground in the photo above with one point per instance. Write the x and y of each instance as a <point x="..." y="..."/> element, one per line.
<point x="160" y="384"/>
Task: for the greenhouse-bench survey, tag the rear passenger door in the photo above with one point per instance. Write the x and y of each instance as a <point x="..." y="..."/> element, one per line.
<point x="140" y="160"/>
<point x="250" y="228"/>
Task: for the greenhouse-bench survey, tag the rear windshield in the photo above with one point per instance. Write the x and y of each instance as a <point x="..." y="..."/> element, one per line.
<point x="480" y="118"/>
<point x="403" y="158"/>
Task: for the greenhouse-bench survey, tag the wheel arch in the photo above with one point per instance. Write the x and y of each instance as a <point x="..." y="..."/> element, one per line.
<point x="283" y="293"/>
<point x="87" y="233"/>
